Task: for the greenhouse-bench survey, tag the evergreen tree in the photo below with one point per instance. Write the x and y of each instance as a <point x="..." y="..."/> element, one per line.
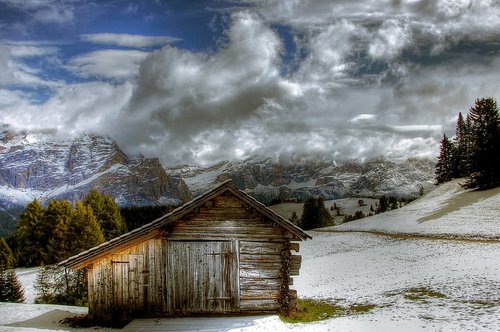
<point x="107" y="213"/>
<point x="29" y="235"/>
<point x="84" y="229"/>
<point x="43" y="285"/>
<point x="485" y="131"/>
<point x="11" y="289"/>
<point x="55" y="224"/>
<point x="445" y="166"/>
<point x="6" y="255"/>
<point x="462" y="148"/>
<point x="60" y="285"/>
<point x="294" y="219"/>
<point x="383" y="204"/>
<point x="315" y="214"/>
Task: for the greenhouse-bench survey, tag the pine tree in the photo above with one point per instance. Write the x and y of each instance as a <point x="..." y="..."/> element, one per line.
<point x="485" y="131"/>
<point x="315" y="214"/>
<point x="43" y="286"/>
<point x="84" y="229"/>
<point x="445" y="166"/>
<point x="55" y="228"/>
<point x="11" y="289"/>
<point x="383" y="204"/>
<point x="6" y="256"/>
<point x="294" y="219"/>
<point x="107" y="213"/>
<point x="29" y="234"/>
<point x="462" y="147"/>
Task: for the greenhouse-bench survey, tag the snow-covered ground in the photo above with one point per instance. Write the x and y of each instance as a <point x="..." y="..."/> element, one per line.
<point x="446" y="211"/>
<point x="358" y="268"/>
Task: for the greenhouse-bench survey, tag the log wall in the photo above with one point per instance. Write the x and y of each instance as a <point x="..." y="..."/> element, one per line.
<point x="222" y="257"/>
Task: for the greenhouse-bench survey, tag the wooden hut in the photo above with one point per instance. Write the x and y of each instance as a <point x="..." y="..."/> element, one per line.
<point x="223" y="253"/>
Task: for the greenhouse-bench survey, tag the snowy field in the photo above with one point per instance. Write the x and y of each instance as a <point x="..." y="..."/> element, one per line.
<point x="416" y="284"/>
<point x="446" y="211"/>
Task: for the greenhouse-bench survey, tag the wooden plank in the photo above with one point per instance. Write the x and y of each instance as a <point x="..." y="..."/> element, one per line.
<point x="260" y="273"/>
<point x="260" y="283"/>
<point x="260" y="294"/>
<point x="235" y="277"/>
<point x="247" y="247"/>
<point x="225" y="201"/>
<point x="261" y="265"/>
<point x="223" y="236"/>
<point x="245" y="258"/>
<point x="295" y="263"/>
<point x="295" y="246"/>
<point x="219" y="222"/>
<point x="239" y="230"/>
<point x="259" y="305"/>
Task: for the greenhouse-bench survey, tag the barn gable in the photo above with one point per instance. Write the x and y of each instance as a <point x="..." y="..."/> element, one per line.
<point x="222" y="252"/>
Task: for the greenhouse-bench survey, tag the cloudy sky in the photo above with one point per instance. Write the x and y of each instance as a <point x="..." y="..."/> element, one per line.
<point x="203" y="81"/>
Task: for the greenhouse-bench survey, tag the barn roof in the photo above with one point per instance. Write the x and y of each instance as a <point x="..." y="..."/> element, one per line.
<point x="139" y="233"/>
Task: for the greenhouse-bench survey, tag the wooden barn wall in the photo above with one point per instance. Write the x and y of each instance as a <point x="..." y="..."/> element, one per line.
<point x="135" y="280"/>
<point x="262" y="247"/>
<point x="130" y="280"/>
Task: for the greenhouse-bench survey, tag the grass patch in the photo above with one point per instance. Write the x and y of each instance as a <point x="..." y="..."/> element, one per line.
<point x="422" y="294"/>
<point x="310" y="310"/>
<point x="485" y="303"/>
<point x="361" y="308"/>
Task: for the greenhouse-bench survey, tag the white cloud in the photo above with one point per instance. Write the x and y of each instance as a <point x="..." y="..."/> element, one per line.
<point x="128" y="40"/>
<point x="52" y="14"/>
<point x="390" y="40"/>
<point x="369" y="78"/>
<point x="29" y="49"/>
<point x="73" y="109"/>
<point x="182" y="96"/>
<point x="45" y="11"/>
<point x="108" y="64"/>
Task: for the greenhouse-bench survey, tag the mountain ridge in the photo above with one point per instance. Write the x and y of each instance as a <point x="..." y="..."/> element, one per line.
<point x="270" y="180"/>
<point x="44" y="165"/>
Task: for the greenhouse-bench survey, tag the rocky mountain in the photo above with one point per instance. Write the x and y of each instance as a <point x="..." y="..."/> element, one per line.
<point x="44" y="165"/>
<point x="269" y="180"/>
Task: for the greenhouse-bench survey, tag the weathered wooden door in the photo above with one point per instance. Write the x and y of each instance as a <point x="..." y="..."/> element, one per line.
<point x="202" y="276"/>
<point x="129" y="289"/>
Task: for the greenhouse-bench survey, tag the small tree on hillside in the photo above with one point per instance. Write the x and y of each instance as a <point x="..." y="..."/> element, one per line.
<point x="445" y="166"/>
<point x="485" y="130"/>
<point x="294" y="219"/>
<point x="315" y="214"/>
<point x="462" y="147"/>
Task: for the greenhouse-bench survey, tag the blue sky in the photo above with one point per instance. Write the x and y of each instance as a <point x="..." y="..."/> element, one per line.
<point x="203" y="81"/>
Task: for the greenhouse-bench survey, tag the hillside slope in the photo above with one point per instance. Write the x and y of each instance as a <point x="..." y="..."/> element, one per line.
<point x="448" y="210"/>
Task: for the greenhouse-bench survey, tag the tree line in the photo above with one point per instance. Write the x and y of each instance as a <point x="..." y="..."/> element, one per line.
<point x="474" y="152"/>
<point x="47" y="235"/>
